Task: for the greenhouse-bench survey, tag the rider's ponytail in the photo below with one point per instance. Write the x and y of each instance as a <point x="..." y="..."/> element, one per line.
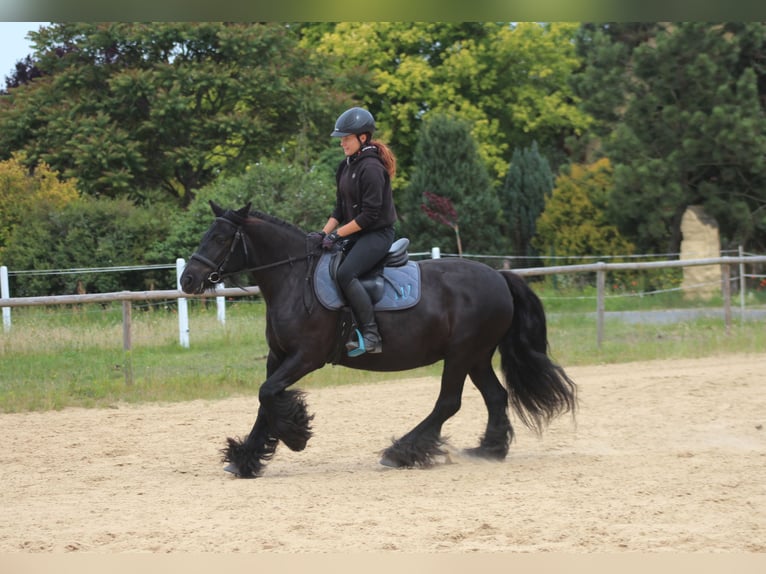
<point x="387" y="157"/>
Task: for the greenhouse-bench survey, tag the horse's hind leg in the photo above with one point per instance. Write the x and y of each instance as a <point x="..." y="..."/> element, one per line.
<point x="499" y="432"/>
<point x="421" y="445"/>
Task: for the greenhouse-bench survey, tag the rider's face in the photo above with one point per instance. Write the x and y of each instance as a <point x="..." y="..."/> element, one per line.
<point x="350" y="144"/>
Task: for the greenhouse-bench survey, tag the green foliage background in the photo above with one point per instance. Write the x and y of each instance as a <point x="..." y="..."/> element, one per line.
<point x="146" y="122"/>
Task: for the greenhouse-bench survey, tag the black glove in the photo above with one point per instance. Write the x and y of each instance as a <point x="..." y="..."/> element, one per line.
<point x="330" y="240"/>
<point x="316" y="237"/>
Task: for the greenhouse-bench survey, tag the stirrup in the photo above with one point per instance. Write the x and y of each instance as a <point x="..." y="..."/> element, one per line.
<point x="358" y="347"/>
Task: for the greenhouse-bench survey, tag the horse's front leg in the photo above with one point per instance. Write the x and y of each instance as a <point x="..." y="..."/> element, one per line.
<point x="247" y="458"/>
<point x="282" y="415"/>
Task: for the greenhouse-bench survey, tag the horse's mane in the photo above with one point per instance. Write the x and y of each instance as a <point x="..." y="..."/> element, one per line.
<point x="254" y="213"/>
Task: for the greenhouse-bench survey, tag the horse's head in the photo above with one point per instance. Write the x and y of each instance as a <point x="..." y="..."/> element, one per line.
<point x="224" y="250"/>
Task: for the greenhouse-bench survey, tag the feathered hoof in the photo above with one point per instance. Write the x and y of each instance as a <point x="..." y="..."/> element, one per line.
<point x="391" y="463"/>
<point x="232" y="468"/>
<point x="414" y="454"/>
<point x="245" y="463"/>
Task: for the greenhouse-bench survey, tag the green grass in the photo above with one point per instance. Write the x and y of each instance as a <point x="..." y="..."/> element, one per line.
<point x="572" y="328"/>
<point x="61" y="357"/>
<point x="573" y="339"/>
<point x="584" y="300"/>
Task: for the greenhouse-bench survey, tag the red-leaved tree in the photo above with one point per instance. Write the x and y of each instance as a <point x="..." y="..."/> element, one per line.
<point x="441" y="210"/>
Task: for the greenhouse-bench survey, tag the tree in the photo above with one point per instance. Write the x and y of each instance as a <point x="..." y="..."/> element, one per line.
<point x="441" y="210"/>
<point x="528" y="183"/>
<point x="508" y="81"/>
<point x="530" y="94"/>
<point x="85" y="233"/>
<point x="21" y="191"/>
<point x="129" y="107"/>
<point x="447" y="164"/>
<point x="605" y="51"/>
<point x="24" y="71"/>
<point x="574" y="222"/>
<point x="303" y="198"/>
<point x="689" y="130"/>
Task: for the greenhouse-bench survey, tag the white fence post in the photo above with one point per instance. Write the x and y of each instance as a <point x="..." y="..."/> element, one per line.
<point x="436" y="253"/>
<point x="5" y="293"/>
<point x="183" y="309"/>
<point x="220" y="303"/>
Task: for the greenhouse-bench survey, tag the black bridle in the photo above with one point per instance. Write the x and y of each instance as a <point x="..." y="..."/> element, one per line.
<point x="218" y="275"/>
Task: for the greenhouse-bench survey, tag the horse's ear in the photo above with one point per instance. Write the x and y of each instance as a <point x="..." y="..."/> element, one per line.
<point x="217" y="209"/>
<point x="245" y="211"/>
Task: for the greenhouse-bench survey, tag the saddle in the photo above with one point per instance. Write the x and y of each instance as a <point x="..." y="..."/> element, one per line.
<point x="394" y="283"/>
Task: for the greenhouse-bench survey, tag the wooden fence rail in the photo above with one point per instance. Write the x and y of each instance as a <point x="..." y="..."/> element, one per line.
<point x="600" y="268"/>
<point x="168" y="294"/>
<point x="127" y="298"/>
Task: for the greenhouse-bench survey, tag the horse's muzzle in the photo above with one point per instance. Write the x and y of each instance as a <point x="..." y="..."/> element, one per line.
<point x="190" y="283"/>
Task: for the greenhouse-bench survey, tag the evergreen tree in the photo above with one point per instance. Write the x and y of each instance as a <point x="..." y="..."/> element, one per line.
<point x="686" y="110"/>
<point x="448" y="165"/>
<point x="600" y="85"/>
<point x="528" y="183"/>
<point x="575" y="222"/>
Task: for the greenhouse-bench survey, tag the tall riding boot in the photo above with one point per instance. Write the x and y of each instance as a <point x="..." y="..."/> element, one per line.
<point x="359" y="300"/>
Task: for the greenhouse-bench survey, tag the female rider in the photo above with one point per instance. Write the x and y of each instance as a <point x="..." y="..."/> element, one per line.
<point x="363" y="217"/>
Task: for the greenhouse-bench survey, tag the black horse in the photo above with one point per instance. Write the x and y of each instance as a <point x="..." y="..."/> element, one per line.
<point x="466" y="312"/>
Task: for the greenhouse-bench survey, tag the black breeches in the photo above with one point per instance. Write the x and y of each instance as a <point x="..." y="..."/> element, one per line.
<point x="367" y="251"/>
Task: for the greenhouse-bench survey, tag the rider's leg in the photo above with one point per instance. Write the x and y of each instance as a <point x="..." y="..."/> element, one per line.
<point x="361" y="305"/>
<point x="368" y="249"/>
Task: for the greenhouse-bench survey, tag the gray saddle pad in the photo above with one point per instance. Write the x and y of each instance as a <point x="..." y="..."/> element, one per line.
<point x="402" y="286"/>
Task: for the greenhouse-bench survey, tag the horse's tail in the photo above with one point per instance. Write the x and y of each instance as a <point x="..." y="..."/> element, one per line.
<point x="538" y="389"/>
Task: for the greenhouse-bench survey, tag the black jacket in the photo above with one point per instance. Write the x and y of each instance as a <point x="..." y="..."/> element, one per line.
<point x="364" y="191"/>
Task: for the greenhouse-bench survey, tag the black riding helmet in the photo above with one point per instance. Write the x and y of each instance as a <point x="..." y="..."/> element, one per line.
<point x="354" y="121"/>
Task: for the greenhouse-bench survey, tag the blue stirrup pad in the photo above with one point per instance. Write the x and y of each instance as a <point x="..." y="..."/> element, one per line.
<point x="361" y="349"/>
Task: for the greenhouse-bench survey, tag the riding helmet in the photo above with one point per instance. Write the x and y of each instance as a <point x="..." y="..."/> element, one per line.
<point x="354" y="121"/>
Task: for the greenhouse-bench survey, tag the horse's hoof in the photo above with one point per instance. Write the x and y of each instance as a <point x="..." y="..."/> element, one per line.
<point x="385" y="461"/>
<point x="232" y="468"/>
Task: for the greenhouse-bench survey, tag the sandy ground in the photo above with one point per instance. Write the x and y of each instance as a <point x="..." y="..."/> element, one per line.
<point x="665" y="456"/>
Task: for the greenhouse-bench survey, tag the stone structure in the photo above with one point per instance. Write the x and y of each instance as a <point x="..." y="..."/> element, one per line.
<point x="701" y="240"/>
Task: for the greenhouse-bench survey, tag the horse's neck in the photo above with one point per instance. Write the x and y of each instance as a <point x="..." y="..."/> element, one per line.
<point x="274" y="242"/>
<point x="275" y="248"/>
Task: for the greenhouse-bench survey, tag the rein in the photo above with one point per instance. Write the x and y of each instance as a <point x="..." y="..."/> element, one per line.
<point x="217" y="275"/>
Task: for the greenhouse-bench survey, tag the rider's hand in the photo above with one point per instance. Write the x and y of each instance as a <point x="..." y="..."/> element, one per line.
<point x="330" y="240"/>
<point x="316" y="237"/>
